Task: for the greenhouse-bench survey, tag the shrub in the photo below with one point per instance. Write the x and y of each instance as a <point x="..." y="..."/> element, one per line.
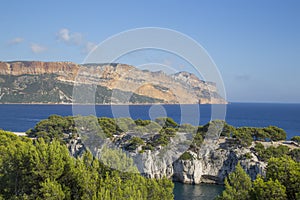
<point x="134" y="143"/>
<point x="296" y="139"/>
<point x="186" y="156"/>
<point x="266" y="153"/>
<point x="247" y="156"/>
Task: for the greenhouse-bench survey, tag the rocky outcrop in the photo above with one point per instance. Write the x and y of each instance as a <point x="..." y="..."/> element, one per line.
<point x="211" y="164"/>
<point x="158" y="87"/>
<point x="18" y="68"/>
<point x="216" y="166"/>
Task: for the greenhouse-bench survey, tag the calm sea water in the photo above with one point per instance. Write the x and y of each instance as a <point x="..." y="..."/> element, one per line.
<point x="20" y="118"/>
<point x="196" y="192"/>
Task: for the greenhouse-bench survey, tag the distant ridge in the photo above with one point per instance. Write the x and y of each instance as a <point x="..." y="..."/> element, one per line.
<point x="53" y="82"/>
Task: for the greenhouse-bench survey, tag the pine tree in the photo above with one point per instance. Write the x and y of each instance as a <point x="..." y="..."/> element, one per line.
<point x="271" y="190"/>
<point x="51" y="190"/>
<point x="237" y="185"/>
<point x="287" y="172"/>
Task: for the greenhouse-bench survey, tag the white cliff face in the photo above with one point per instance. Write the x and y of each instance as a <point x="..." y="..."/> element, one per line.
<point x="210" y="164"/>
<point x="151" y="166"/>
<point x="207" y="166"/>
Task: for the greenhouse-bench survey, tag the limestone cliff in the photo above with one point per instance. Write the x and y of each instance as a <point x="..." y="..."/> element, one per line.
<point x="210" y="164"/>
<point x="53" y="82"/>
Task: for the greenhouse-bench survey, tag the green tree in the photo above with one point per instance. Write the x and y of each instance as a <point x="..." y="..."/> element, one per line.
<point x="15" y="165"/>
<point x="260" y="134"/>
<point x="275" y="152"/>
<point x="287" y="172"/>
<point x="275" y="133"/>
<point x="51" y="190"/>
<point x="296" y="139"/>
<point x="295" y="154"/>
<point x="125" y="124"/>
<point x="117" y="159"/>
<point x="35" y="169"/>
<point x="166" y="122"/>
<point x="271" y="190"/>
<point x="50" y="160"/>
<point x="109" y="126"/>
<point x="244" y="138"/>
<point x="140" y="122"/>
<point x="53" y="128"/>
<point x="168" y="131"/>
<point x="237" y="185"/>
<point x="227" y="130"/>
<point x="134" y="143"/>
<point x="197" y="141"/>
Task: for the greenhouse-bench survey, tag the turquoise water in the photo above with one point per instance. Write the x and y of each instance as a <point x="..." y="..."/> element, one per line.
<point x="196" y="192"/>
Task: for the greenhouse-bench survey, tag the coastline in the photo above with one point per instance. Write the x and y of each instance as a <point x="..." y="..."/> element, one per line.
<point x="114" y="104"/>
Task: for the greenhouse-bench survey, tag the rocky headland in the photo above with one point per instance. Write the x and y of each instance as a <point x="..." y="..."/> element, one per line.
<point x="54" y="82"/>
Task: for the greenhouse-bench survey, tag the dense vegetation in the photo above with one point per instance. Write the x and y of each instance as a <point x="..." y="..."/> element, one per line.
<point x="282" y="182"/>
<point x="246" y="135"/>
<point x="150" y="135"/>
<point x="42" y="168"/>
<point x="296" y="139"/>
<point x="35" y="169"/>
<point x="96" y="129"/>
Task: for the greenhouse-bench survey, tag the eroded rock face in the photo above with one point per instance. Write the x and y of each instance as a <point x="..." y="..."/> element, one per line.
<point x="36" y="68"/>
<point x="182" y="87"/>
<point x="207" y="166"/>
<point x="214" y="169"/>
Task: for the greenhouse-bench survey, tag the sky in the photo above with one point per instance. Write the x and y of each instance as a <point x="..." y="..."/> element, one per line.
<point x="255" y="44"/>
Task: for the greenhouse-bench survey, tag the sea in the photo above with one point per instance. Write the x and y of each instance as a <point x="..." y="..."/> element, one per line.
<point x="21" y="117"/>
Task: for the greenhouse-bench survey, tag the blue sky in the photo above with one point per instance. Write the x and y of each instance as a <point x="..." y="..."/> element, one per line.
<point x="255" y="44"/>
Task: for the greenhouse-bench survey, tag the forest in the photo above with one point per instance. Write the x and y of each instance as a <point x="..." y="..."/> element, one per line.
<point x="40" y="166"/>
<point x="37" y="169"/>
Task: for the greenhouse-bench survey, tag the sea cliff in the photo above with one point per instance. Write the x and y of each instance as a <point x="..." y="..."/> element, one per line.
<point x="55" y="82"/>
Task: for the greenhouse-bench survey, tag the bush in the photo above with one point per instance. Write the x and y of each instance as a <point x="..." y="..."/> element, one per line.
<point x="187" y="128"/>
<point x="227" y="130"/>
<point x="266" y="153"/>
<point x="140" y="122"/>
<point x="134" y="143"/>
<point x="125" y="124"/>
<point x="148" y="147"/>
<point x="166" y="122"/>
<point x="109" y="126"/>
<point x="186" y="156"/>
<point x="275" y="133"/>
<point x="247" y="156"/>
<point x="295" y="154"/>
<point x="296" y="139"/>
<point x="197" y="141"/>
<point x="243" y="138"/>
<point x="168" y="131"/>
